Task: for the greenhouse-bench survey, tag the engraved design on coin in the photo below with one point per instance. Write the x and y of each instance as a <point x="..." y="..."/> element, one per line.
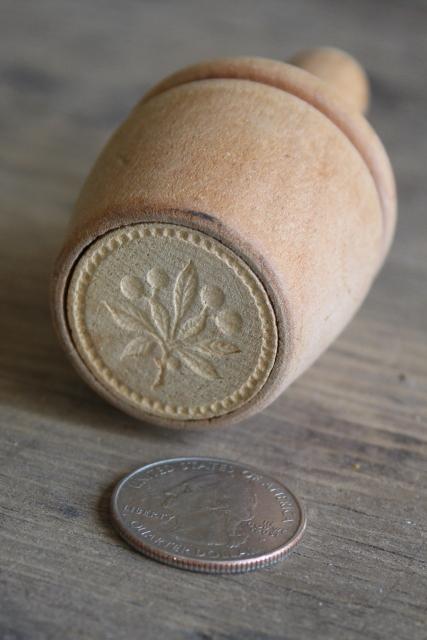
<point x="174" y="341"/>
<point x="207" y="515"/>
<point x="171" y="322"/>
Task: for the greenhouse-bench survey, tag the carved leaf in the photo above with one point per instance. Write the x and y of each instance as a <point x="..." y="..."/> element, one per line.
<point x="160" y="317"/>
<point x="198" y="364"/>
<point x="193" y="326"/>
<point x="216" y="347"/>
<point x="184" y="290"/>
<point x="139" y="346"/>
<point x="129" y="319"/>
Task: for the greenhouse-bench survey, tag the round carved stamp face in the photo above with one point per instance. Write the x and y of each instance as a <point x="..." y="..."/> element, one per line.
<point x="171" y="322"/>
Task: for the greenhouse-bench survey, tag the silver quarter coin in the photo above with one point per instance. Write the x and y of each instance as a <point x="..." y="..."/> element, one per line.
<point x="207" y="515"/>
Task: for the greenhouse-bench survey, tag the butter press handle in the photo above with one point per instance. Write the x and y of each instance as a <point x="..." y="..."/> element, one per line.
<point x="340" y="71"/>
<point x="226" y="234"/>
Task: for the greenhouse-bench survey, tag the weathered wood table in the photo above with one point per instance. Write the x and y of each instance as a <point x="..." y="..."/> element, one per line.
<point x="349" y="437"/>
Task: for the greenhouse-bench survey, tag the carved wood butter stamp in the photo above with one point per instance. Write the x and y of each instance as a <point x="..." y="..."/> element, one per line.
<point x="171" y="321"/>
<point x="225" y="236"/>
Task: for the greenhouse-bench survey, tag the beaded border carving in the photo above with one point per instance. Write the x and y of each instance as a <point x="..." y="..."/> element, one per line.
<point x="81" y="277"/>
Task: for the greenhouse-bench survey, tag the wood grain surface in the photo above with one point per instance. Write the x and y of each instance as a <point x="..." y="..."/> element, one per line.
<point x="349" y="437"/>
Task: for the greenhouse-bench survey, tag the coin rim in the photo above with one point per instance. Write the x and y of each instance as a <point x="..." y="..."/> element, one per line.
<point x="209" y="566"/>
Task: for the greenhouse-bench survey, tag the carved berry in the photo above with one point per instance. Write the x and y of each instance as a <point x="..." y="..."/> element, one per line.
<point x="132" y="288"/>
<point x="157" y="278"/>
<point x="229" y="322"/>
<point x="212" y="297"/>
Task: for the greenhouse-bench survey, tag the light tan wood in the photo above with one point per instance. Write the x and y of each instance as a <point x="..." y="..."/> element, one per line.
<point x="172" y="323"/>
<point x="254" y="163"/>
<point x="340" y="71"/>
<point x="349" y="436"/>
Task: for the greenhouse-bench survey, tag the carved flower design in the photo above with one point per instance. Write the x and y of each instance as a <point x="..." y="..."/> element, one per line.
<point x="174" y="338"/>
